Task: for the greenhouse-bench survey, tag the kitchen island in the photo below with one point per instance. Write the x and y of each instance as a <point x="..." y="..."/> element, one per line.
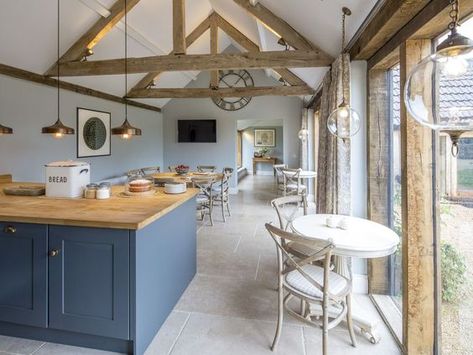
<point x="97" y="273"/>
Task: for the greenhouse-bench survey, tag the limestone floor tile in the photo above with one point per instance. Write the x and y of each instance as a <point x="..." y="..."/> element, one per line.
<point x="167" y="336"/>
<point x="216" y="335"/>
<point x="59" y="349"/>
<point x="218" y="241"/>
<point x="227" y="263"/>
<point x="339" y="343"/>
<point x="19" y="345"/>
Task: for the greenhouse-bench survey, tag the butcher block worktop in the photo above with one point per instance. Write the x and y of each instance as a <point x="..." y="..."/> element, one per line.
<point x="118" y="212"/>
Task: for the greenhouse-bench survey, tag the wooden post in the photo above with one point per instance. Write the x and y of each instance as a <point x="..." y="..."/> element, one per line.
<point x="214" y="74"/>
<point x="419" y="288"/>
<point x="179" y="26"/>
<point x="379" y="169"/>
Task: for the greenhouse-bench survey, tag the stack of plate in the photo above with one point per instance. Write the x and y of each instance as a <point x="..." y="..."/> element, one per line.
<point x="175" y="187"/>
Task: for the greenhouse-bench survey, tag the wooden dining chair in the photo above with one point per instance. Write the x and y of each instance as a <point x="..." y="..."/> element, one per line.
<point x="205" y="197"/>
<point x="206" y="168"/>
<point x="292" y="182"/>
<point x="311" y="283"/>
<point x="150" y="170"/>
<point x="278" y="168"/>
<point x="222" y="192"/>
<point x="288" y="208"/>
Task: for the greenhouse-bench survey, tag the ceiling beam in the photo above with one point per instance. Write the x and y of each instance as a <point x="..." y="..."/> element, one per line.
<point x="250" y="60"/>
<point x="214" y="75"/>
<point x="190" y="39"/>
<point x="98" y="31"/>
<point x="389" y="18"/>
<point x="221" y="92"/>
<point x="44" y="80"/>
<point x="250" y="46"/>
<point x="280" y="27"/>
<point x="179" y="26"/>
<point x="430" y="22"/>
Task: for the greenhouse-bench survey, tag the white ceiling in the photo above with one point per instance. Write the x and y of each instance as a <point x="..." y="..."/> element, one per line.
<point x="28" y="33"/>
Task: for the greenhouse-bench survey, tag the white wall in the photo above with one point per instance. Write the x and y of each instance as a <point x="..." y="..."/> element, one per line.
<point x="359" y="175"/>
<point x="223" y="153"/>
<point x="27" y="107"/>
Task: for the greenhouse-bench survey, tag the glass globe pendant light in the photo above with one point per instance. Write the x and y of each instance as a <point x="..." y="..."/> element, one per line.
<point x="126" y="130"/>
<point x="344" y="121"/>
<point x="451" y="63"/>
<point x="58" y="129"/>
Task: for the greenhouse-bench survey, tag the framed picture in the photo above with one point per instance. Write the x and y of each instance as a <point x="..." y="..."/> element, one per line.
<point x="93" y="133"/>
<point x="265" y="137"/>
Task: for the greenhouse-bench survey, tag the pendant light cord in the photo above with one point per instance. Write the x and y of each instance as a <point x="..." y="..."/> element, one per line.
<point x="126" y="60"/>
<point x="58" y="54"/>
<point x="455" y="9"/>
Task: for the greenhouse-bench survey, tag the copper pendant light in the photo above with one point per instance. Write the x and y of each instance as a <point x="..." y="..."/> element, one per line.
<point x="5" y="130"/>
<point x="58" y="129"/>
<point x="126" y="130"/>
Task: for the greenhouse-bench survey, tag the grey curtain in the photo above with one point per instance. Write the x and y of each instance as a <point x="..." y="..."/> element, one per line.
<point x="333" y="170"/>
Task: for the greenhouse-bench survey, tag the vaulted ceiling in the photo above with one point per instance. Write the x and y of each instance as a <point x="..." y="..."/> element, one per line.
<point x="28" y="33"/>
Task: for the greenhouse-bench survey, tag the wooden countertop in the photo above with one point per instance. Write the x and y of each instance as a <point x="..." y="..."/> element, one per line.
<point x="118" y="212"/>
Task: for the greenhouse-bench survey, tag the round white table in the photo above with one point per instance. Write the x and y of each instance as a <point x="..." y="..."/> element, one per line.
<point x="362" y="239"/>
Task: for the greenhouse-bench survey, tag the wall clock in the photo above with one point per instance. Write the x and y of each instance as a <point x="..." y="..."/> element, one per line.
<point x="233" y="79"/>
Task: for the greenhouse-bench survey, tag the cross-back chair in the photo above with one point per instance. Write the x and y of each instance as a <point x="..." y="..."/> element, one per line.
<point x="288" y="208"/>
<point x="205" y="198"/>
<point x="206" y="168"/>
<point x="292" y="182"/>
<point x="278" y="168"/>
<point x="222" y="192"/>
<point x="314" y="284"/>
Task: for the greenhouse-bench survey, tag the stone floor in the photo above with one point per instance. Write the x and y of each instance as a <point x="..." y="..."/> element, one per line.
<point x="230" y="306"/>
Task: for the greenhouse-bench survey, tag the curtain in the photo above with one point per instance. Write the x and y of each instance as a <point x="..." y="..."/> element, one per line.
<point x="333" y="168"/>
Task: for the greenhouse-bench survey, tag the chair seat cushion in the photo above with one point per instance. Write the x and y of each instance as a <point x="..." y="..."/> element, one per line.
<point x="294" y="187"/>
<point x="297" y="281"/>
<point x="202" y="199"/>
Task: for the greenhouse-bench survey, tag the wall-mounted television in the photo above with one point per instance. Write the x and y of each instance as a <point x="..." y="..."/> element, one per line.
<point x="197" y="131"/>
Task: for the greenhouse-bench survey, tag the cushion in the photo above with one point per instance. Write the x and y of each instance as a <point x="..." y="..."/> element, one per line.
<point x="297" y="281"/>
<point x="294" y="187"/>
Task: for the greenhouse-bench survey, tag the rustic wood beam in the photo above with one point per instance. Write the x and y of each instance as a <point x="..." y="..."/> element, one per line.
<point x="93" y="36"/>
<point x="280" y="27"/>
<point x="221" y="92"/>
<point x="44" y="80"/>
<point x="418" y="252"/>
<point x="190" y="39"/>
<point x="389" y="19"/>
<point x="430" y="22"/>
<point x="250" y="46"/>
<point x="250" y="60"/>
<point x="379" y="182"/>
<point x="179" y="26"/>
<point x="214" y="75"/>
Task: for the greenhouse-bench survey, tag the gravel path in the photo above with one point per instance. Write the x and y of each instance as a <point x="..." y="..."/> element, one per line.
<point x="457" y="318"/>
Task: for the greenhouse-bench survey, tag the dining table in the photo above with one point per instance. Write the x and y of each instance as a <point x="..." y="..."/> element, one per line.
<point x="187" y="178"/>
<point x="352" y="237"/>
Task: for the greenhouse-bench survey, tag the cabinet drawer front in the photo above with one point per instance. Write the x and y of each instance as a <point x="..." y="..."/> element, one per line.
<point x="89" y="281"/>
<point x="23" y="273"/>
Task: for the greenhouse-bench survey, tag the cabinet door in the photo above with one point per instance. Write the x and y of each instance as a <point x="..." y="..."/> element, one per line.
<point x="23" y="273"/>
<point x="89" y="281"/>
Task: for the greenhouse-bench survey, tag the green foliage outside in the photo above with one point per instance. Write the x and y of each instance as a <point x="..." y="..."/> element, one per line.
<point x="453" y="271"/>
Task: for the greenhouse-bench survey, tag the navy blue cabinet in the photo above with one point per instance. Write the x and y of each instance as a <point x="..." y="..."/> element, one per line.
<point x="23" y="273"/>
<point x="89" y="281"/>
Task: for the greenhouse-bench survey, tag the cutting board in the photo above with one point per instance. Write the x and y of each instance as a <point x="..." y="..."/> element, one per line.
<point x="19" y="190"/>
